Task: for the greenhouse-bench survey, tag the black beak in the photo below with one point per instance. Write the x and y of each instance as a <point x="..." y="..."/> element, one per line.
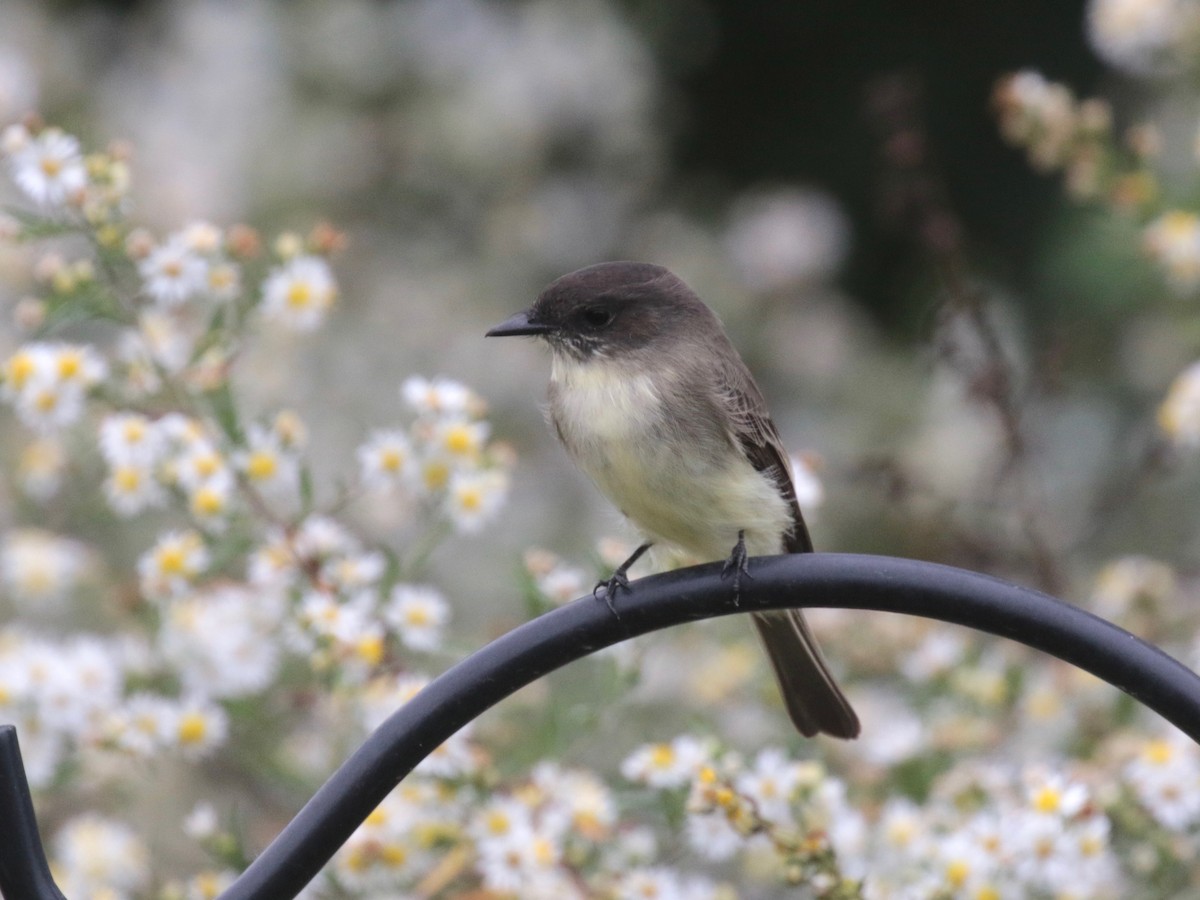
<point x="518" y="324"/>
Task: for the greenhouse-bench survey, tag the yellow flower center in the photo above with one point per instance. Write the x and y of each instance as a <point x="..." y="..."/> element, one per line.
<point x="436" y="475"/>
<point x="207" y="502"/>
<point x="70" y="365"/>
<point x="470" y="499"/>
<point x="127" y="479"/>
<point x="661" y="756"/>
<point x="370" y="649"/>
<point x="1046" y="800"/>
<point x="193" y="728"/>
<point x="261" y="465"/>
<point x="417" y="616"/>
<point x="299" y="295"/>
<point x="172" y="560"/>
<point x="957" y="872"/>
<point x="20" y="368"/>
<point x="51" y="167"/>
<point x="1159" y="752"/>
<point x="460" y="440"/>
<point x="46" y="401"/>
<point x="391" y="460"/>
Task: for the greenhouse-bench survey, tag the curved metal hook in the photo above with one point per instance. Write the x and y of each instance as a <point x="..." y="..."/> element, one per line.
<point x="571" y="632"/>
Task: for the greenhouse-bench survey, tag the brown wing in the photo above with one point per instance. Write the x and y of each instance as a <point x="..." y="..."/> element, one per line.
<point x="756" y="434"/>
<point x="810" y="694"/>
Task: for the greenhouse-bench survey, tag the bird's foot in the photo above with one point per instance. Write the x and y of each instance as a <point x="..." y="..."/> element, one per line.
<point x="739" y="564"/>
<point x="618" y="581"/>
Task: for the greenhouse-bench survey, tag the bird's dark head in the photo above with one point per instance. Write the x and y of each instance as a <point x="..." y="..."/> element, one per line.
<point x="608" y="310"/>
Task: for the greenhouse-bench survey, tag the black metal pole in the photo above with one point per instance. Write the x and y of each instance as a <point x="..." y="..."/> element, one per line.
<point x="24" y="874"/>
<point x="571" y="632"/>
<point x="585" y="626"/>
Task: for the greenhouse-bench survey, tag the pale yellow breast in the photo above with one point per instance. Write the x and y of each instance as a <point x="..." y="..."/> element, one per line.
<point x="613" y="423"/>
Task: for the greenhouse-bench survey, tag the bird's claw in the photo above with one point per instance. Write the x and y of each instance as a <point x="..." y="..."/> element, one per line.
<point x="618" y="582"/>
<point x="739" y="564"/>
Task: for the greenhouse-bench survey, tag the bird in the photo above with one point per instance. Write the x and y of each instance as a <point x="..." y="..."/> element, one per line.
<point x="652" y="401"/>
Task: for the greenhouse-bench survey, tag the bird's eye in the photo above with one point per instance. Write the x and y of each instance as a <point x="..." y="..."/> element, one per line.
<point x="597" y="316"/>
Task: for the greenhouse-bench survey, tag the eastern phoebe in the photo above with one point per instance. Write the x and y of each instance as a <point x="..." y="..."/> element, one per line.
<point x="652" y="401"/>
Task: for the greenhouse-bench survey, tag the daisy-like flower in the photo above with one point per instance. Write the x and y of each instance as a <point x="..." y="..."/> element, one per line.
<point x="299" y="293"/>
<point x="439" y="396"/>
<point x="173" y="273"/>
<point x="459" y="439"/>
<point x="1165" y="777"/>
<point x="171" y="566"/>
<point x="419" y="614"/>
<point x="266" y="464"/>
<point x="165" y="339"/>
<point x="354" y="571"/>
<point x="41" y="467"/>
<point x="1173" y="241"/>
<point x="474" y="498"/>
<point x="771" y="784"/>
<point x="48" y="168"/>
<point x="47" y="406"/>
<point x="200" y="725"/>
<point x="131" y="489"/>
<point x="101" y="854"/>
<point x="210" y="501"/>
<point x="670" y="765"/>
<point x="143" y="726"/>
<point x="386" y="459"/>
<point x="224" y="642"/>
<point x="199" y="462"/>
<point x="1179" y="414"/>
<point x="130" y="438"/>
<point x="39" y="568"/>
<point x="562" y="583"/>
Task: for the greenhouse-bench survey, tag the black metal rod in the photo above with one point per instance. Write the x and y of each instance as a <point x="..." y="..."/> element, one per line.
<point x="571" y="632"/>
<point x="24" y="874"/>
<point x="806" y="580"/>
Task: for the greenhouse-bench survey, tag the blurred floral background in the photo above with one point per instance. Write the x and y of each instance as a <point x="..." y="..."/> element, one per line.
<point x="261" y="478"/>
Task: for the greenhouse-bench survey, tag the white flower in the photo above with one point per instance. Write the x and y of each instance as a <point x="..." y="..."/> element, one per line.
<point x="354" y="571"/>
<point x="474" y="498"/>
<point x="173" y="273"/>
<point x="299" y="293"/>
<point x="41" y="468"/>
<point x="130" y="438"/>
<point x="938" y="653"/>
<point x="458" y="438"/>
<point x="562" y="583"/>
<point x="224" y="642"/>
<point x="209" y="501"/>
<point x="38" y="568"/>
<point x="200" y="725"/>
<point x="1179" y="414"/>
<point x="100" y="854"/>
<point x="385" y="460"/>
<point x="165" y="338"/>
<point x="512" y="863"/>
<point x="171" y="566"/>
<point x="47" y="406"/>
<point x="1139" y="36"/>
<point x="201" y="823"/>
<point x="1165" y="776"/>
<point x="1173" y="241"/>
<point x="131" y="489"/>
<point x="712" y="836"/>
<point x="439" y="396"/>
<point x="771" y="784"/>
<point x="198" y="464"/>
<point x="49" y="168"/>
<point x="418" y="614"/>
<point x="267" y="465"/>
<point x="144" y="725"/>
<point x="670" y="765"/>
